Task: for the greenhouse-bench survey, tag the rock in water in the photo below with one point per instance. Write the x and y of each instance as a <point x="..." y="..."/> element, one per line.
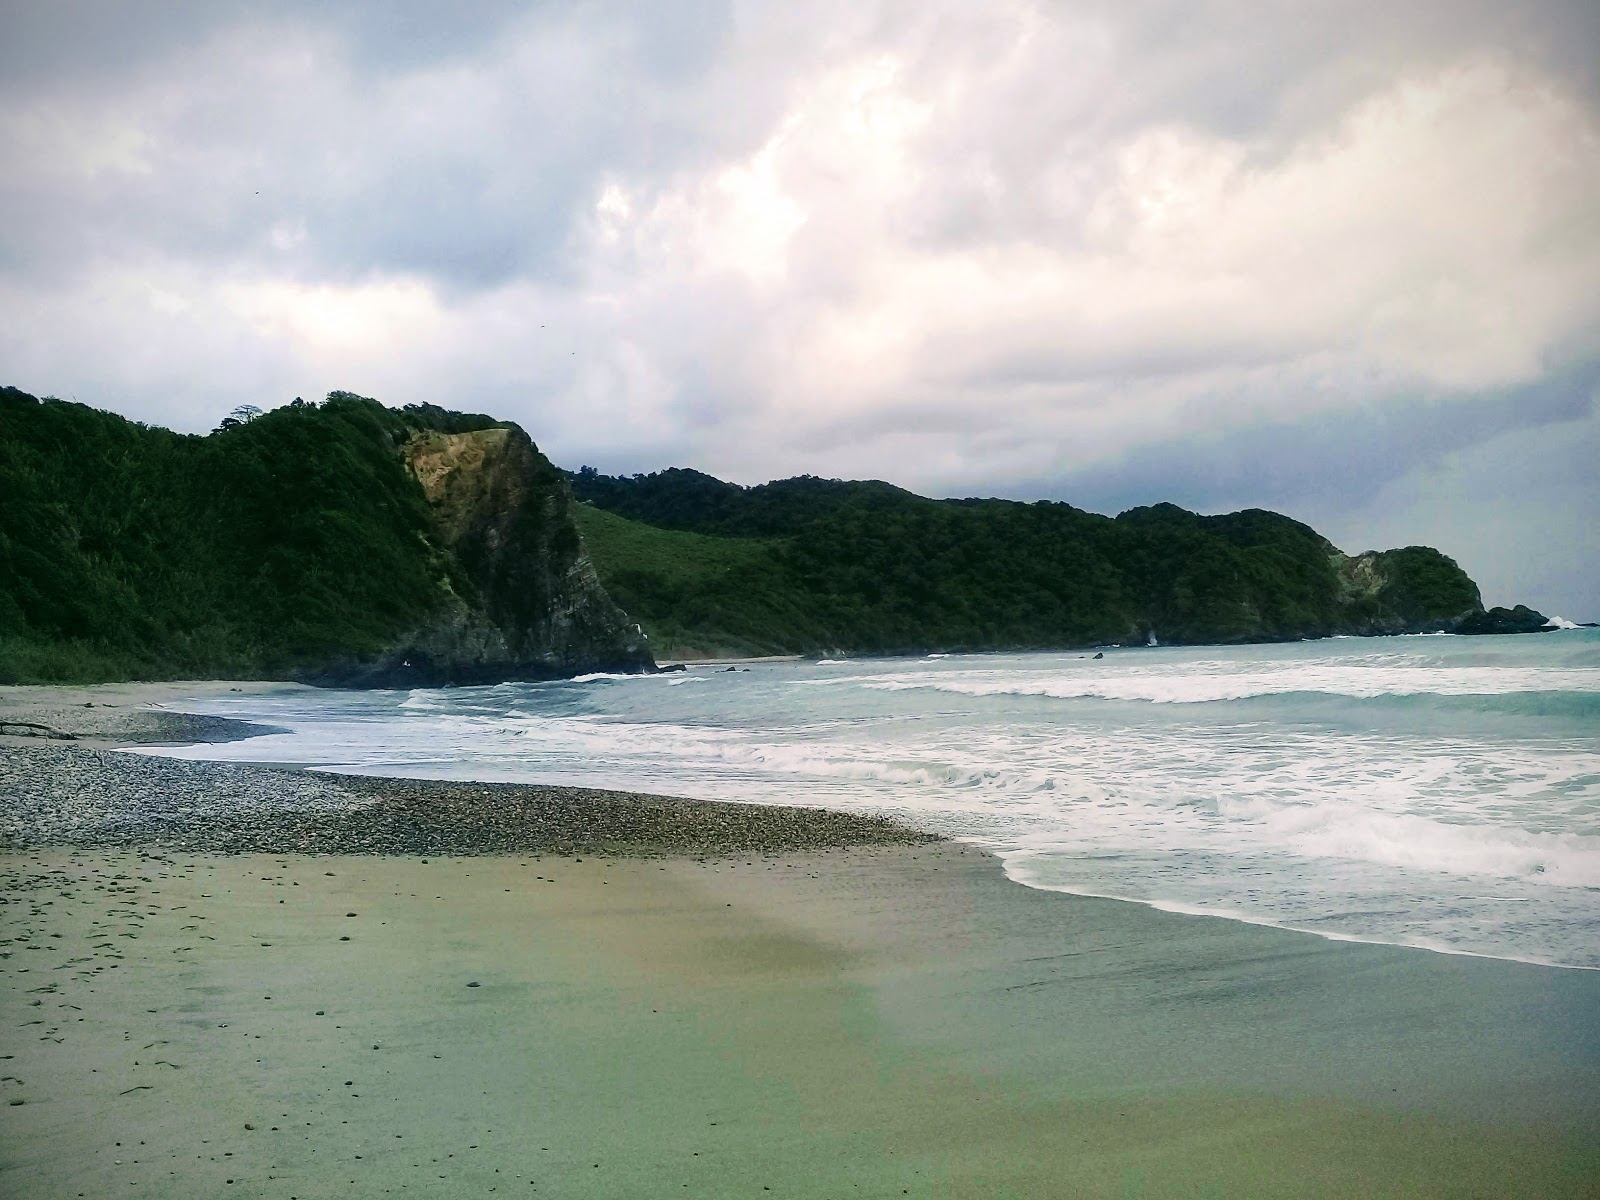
<point x="1520" y="619"/>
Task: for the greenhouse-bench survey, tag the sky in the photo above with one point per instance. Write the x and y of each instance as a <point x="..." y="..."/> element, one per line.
<point x="1341" y="260"/>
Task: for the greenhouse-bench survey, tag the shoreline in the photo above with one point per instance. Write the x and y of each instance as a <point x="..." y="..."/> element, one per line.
<point x="672" y="663"/>
<point x="1322" y="934"/>
<point x="72" y="794"/>
<point x="385" y="814"/>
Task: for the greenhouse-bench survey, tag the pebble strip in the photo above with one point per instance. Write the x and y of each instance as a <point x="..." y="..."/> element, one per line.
<point x="55" y="794"/>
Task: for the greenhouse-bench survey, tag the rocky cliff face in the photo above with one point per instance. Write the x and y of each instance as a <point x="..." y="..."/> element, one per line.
<point x="1413" y="590"/>
<point x="524" y="601"/>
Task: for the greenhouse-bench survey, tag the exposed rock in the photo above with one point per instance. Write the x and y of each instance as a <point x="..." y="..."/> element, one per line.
<point x="526" y="603"/>
<point x="1413" y="590"/>
<point x="1520" y="619"/>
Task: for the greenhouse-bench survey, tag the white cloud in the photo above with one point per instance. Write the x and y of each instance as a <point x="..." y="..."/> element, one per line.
<point x="1442" y="234"/>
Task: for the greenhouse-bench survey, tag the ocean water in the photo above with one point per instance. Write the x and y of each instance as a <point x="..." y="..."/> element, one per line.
<point x="1441" y="792"/>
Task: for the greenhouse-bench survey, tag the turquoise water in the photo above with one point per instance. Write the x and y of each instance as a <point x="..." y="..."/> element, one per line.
<point x="1441" y="792"/>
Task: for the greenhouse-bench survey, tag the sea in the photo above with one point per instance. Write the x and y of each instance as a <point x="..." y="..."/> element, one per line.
<point x="1437" y="791"/>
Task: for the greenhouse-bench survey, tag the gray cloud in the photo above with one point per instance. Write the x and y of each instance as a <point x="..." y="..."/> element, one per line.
<point x="1323" y="460"/>
<point x="1293" y="255"/>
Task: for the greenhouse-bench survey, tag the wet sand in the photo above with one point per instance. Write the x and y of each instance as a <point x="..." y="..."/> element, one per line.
<point x="864" y="1022"/>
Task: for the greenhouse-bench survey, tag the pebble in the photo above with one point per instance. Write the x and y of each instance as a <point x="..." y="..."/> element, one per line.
<point x="66" y="795"/>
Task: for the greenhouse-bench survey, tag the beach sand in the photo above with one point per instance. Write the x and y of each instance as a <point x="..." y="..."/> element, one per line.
<point x="868" y="1021"/>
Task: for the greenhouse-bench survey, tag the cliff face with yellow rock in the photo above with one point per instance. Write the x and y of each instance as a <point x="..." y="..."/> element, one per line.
<point x="339" y="542"/>
<point x="534" y="608"/>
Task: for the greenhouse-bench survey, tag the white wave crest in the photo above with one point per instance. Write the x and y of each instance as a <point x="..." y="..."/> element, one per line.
<point x="1411" y="829"/>
<point x="1196" y="686"/>
<point x="425" y="698"/>
<point x="1353" y="832"/>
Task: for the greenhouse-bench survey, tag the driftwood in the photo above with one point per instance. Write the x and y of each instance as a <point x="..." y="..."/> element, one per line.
<point x="28" y="728"/>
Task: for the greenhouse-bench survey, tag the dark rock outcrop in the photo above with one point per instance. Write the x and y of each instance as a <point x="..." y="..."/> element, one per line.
<point x="1520" y="619"/>
<point x="526" y="603"/>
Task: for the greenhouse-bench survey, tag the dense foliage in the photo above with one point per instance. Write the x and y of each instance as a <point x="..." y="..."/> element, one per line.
<point x="807" y="564"/>
<point x="271" y="544"/>
<point x="705" y="595"/>
<point x="1421" y="581"/>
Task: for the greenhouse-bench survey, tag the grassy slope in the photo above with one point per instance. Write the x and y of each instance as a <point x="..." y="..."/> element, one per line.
<point x="695" y="594"/>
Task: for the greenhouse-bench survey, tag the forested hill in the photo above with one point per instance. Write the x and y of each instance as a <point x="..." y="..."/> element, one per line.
<point x="338" y="541"/>
<point x="811" y="565"/>
<point x="345" y="542"/>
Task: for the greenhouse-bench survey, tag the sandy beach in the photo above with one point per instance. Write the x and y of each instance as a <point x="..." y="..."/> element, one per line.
<point x="803" y="1017"/>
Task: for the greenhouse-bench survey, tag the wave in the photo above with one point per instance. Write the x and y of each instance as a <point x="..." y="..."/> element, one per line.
<point x="425" y="698"/>
<point x="1198" y="687"/>
<point x="1222" y="913"/>
<point x="1443" y="794"/>
<point x="1331" y="830"/>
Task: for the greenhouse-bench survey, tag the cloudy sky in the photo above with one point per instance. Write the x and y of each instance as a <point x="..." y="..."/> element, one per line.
<point x="1337" y="259"/>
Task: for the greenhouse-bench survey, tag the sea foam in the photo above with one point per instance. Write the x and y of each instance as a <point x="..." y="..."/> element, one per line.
<point x="1437" y="792"/>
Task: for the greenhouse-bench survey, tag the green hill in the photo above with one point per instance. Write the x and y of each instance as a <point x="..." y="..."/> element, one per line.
<point x="299" y="543"/>
<point x="811" y="565"/>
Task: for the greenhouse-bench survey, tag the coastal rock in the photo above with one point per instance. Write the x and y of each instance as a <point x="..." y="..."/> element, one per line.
<point x="526" y="602"/>
<point x="339" y="542"/>
<point x="1520" y="619"/>
<point x="1415" y="589"/>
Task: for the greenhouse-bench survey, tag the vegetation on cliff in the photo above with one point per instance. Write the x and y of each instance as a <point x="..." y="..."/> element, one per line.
<point x="811" y="565"/>
<point x="294" y="543"/>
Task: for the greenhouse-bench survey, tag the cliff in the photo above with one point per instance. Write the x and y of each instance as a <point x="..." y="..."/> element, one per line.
<point x="533" y="607"/>
<point x="1413" y="590"/>
<point x="340" y="542"/>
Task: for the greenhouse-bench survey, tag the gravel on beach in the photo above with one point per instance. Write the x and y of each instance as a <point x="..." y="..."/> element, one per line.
<point x="59" y="794"/>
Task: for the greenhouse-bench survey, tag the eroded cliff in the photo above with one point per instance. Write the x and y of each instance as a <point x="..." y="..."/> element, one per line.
<point x="343" y="542"/>
<point x="524" y="601"/>
<point x="1412" y="590"/>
